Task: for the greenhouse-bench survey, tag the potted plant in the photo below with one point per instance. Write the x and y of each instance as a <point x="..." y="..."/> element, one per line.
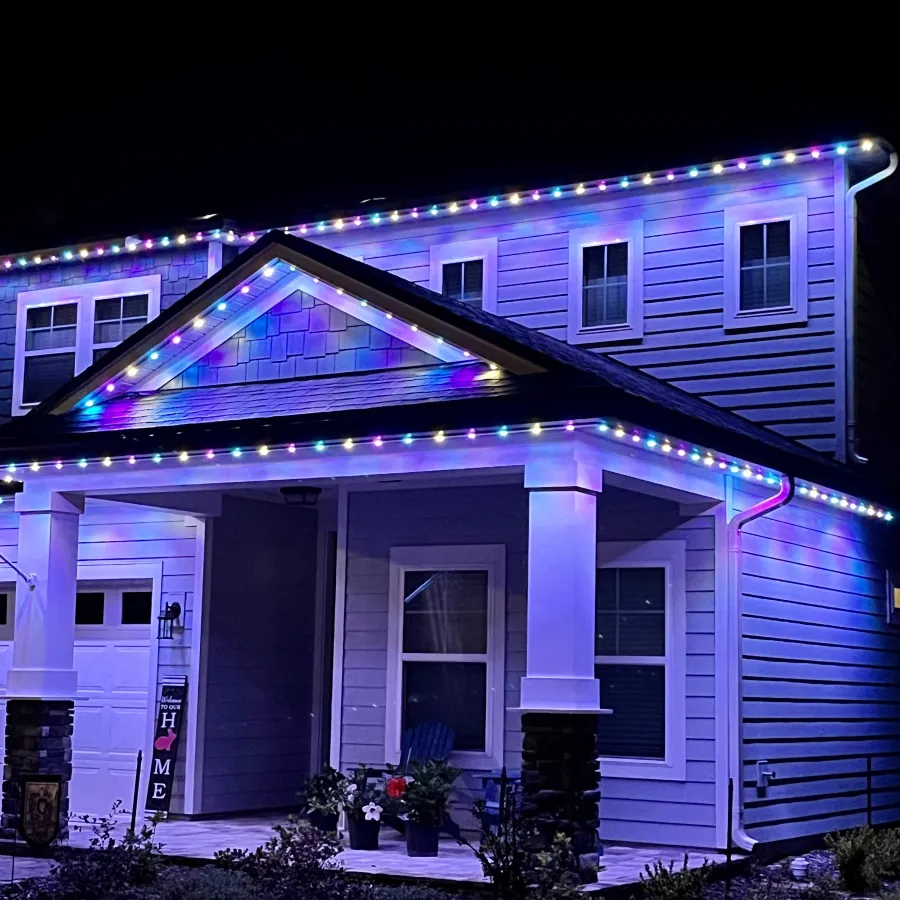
<point x="425" y="798"/>
<point x="364" y="804"/>
<point x="322" y="796"/>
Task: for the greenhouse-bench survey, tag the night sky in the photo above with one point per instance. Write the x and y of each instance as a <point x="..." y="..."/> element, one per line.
<point x="282" y="152"/>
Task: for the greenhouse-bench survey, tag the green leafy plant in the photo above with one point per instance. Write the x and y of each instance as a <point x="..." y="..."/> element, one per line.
<point x="665" y="883"/>
<point x="557" y="872"/>
<point x="204" y="883"/>
<point x="864" y="857"/>
<point x="324" y="792"/>
<point x="428" y="791"/>
<point x="364" y="796"/>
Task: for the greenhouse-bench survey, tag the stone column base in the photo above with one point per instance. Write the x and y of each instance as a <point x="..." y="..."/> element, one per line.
<point x="561" y="782"/>
<point x="38" y="742"/>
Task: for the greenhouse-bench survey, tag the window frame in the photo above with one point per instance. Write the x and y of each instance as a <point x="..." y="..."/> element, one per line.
<point x="113" y="589"/>
<point x="793" y="210"/>
<point x="669" y="555"/>
<point x="492" y="559"/>
<point x="630" y="232"/>
<point x="84" y="295"/>
<point x="484" y="249"/>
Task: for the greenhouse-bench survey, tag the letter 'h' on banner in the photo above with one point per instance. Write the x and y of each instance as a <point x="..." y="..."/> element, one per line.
<point x="170" y="722"/>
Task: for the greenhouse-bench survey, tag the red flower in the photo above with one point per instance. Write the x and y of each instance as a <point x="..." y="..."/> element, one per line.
<point x="395" y="787"/>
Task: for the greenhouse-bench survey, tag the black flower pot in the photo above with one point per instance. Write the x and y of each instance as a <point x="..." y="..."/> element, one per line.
<point x="324" y="821"/>
<point x="421" y="840"/>
<point x="363" y="834"/>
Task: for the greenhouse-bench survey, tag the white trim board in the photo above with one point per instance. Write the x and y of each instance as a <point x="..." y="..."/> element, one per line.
<point x="340" y="605"/>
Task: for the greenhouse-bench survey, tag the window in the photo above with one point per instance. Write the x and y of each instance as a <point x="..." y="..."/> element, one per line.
<point x="137" y="607"/>
<point x="464" y="281"/>
<point x="89" y="607"/>
<point x="62" y="331"/>
<point x="766" y="264"/>
<point x="466" y="271"/>
<point x="446" y="658"/>
<point x="116" y="318"/>
<point x="4" y="609"/>
<point x="893" y="596"/>
<point x="639" y="661"/>
<point x="7" y="611"/>
<point x="606" y="283"/>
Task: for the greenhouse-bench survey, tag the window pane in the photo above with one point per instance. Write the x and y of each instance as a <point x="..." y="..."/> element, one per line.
<point x="4" y="609"/>
<point x="99" y="353"/>
<point x="44" y="374"/>
<point x="594" y="311"/>
<point x="452" y="280"/>
<point x="642" y="634"/>
<point x="636" y="729"/>
<point x="617" y="260"/>
<point x="778" y="286"/>
<point x="778" y="242"/>
<point x="753" y="288"/>
<point x="107" y="308"/>
<point x="594" y="265"/>
<point x="445" y="612"/>
<point x="642" y="589"/>
<point x="605" y="638"/>
<point x="454" y="694"/>
<point x="616" y="301"/>
<point x="607" y="580"/>
<point x="131" y="326"/>
<point x="473" y="281"/>
<point x="89" y="607"/>
<point x="752" y="244"/>
<point x="107" y="332"/>
<point x="135" y="307"/>
<point x="38" y="317"/>
<point x="65" y="314"/>
<point x="137" y="607"/>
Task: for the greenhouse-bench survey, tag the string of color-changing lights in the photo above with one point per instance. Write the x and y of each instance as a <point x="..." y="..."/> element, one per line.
<point x="199" y="322"/>
<point x="134" y="244"/>
<point x="632" y="437"/>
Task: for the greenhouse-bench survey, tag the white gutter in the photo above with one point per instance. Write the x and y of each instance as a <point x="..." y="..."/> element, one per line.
<point x="735" y="676"/>
<point x="850" y="301"/>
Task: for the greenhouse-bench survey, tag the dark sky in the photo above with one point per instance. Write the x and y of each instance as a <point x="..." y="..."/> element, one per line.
<point x="140" y="159"/>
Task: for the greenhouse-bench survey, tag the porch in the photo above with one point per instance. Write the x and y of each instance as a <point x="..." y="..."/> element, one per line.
<point x="199" y="840"/>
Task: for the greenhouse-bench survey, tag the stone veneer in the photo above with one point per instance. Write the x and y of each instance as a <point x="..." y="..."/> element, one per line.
<point x="561" y="782"/>
<point x="38" y="741"/>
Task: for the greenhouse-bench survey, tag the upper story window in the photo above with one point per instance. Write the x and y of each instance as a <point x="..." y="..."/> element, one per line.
<point x="766" y="264"/>
<point x="61" y="331"/>
<point x="606" y="284"/>
<point x="639" y="658"/>
<point x="466" y="271"/>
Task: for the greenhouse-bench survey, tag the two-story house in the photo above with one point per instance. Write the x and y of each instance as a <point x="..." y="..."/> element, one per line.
<point x="572" y="465"/>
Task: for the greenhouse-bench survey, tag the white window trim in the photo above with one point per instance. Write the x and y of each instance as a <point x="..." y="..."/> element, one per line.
<point x="84" y="295"/>
<point x="630" y="231"/>
<point x="793" y="210"/>
<point x="484" y="249"/>
<point x="671" y="556"/>
<point x="492" y="558"/>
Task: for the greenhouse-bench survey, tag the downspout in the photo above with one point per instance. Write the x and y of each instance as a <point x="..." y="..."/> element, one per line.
<point x="850" y="302"/>
<point x="735" y="607"/>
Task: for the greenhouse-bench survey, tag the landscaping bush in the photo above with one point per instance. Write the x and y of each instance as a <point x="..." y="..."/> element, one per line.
<point x="865" y="858"/>
<point x="664" y="883"/>
<point x="206" y="883"/>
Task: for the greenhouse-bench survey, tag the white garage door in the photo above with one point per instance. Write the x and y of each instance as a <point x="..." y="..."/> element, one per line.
<point x="112" y="657"/>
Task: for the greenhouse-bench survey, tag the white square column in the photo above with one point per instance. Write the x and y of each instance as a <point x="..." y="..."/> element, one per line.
<point x="44" y="645"/>
<point x="562" y="574"/>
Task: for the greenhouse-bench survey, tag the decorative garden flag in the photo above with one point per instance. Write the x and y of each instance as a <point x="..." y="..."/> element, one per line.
<point x="169" y="725"/>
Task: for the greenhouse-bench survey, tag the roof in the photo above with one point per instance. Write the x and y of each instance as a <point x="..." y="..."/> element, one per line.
<point x="542" y="379"/>
<point x="336" y="220"/>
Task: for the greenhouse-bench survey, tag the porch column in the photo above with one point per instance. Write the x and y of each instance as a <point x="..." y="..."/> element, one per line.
<point x="42" y="682"/>
<point x="560" y="696"/>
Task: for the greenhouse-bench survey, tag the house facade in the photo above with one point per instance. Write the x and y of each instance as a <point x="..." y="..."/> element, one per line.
<point x="582" y="461"/>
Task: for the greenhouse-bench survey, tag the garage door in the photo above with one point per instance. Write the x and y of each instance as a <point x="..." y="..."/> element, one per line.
<point x="112" y="657"/>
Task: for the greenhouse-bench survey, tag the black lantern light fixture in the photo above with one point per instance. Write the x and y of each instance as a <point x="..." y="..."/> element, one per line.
<point x="167" y="620"/>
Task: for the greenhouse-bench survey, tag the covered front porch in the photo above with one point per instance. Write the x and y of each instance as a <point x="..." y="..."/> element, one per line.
<point x="293" y="639"/>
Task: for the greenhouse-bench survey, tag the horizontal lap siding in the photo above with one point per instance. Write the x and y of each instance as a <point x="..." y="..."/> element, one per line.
<point x="631" y="809"/>
<point x="782" y="377"/>
<point x="820" y="673"/>
<point x="121" y="533"/>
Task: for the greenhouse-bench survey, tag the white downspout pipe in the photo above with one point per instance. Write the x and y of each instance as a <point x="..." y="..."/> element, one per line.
<point x="735" y="608"/>
<point x="850" y="302"/>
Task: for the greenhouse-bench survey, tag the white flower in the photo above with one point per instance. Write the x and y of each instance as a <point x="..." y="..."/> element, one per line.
<point x="373" y="812"/>
<point x="349" y="791"/>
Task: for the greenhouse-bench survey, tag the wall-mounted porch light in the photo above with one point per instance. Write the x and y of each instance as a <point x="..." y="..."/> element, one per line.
<point x="167" y="620"/>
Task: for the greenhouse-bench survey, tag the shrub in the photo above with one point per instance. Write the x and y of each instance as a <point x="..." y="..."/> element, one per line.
<point x="297" y="861"/>
<point x="206" y="883"/>
<point x="664" y="883"/>
<point x="323" y="792"/>
<point x="557" y="872"/>
<point x="864" y="857"/>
